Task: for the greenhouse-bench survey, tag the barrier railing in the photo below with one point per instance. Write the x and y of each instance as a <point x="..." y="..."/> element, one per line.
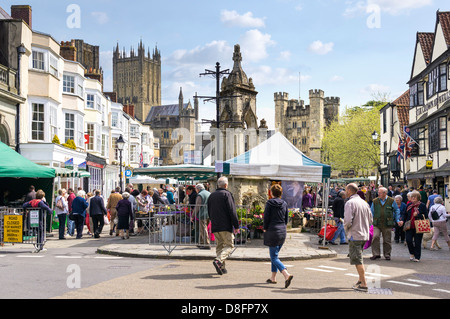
<point x="179" y="225"/>
<point x="23" y="226"/>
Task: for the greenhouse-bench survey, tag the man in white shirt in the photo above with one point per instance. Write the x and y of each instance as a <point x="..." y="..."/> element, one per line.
<point x="357" y="220"/>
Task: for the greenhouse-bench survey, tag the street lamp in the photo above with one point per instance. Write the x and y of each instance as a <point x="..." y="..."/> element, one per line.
<point x="120" y="144"/>
<point x="375" y="138"/>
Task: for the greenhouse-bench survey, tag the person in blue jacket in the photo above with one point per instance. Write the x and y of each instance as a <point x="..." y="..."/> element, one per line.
<point x="79" y="206"/>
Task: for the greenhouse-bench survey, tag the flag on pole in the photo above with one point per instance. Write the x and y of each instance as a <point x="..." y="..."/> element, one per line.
<point x="400" y="149"/>
<point x="141" y="160"/>
<point x="409" y="142"/>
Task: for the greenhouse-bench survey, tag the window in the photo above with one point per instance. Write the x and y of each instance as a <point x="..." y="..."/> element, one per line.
<point x="437" y="80"/>
<point x="104" y="145"/>
<point x="384" y="122"/>
<point x="433" y="136"/>
<point x="38" y="60"/>
<point x="68" y="84"/>
<point x="90" y="132"/>
<point x="133" y="153"/>
<point x="114" y="147"/>
<point x="443" y="132"/>
<point x="53" y="65"/>
<point x="70" y="127"/>
<point x="90" y="101"/>
<point x="114" y="119"/>
<point x="442" y="77"/>
<point x="419" y="136"/>
<point x="416" y="92"/>
<point x="37" y="122"/>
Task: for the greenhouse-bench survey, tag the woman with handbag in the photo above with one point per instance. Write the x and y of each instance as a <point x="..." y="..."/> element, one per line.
<point x="438" y="215"/>
<point x="62" y="210"/>
<point x="415" y="211"/>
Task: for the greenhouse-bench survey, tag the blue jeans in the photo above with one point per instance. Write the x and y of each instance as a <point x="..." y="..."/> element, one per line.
<point x="277" y="265"/>
<point x="340" y="232"/>
<point x="70" y="226"/>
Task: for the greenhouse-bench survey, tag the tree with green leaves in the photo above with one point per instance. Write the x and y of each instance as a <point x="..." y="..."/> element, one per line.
<point x="348" y="143"/>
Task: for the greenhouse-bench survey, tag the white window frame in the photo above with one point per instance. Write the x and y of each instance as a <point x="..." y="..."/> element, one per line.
<point x="69" y="79"/>
<point x="36" y="62"/>
<point x="73" y="128"/>
<point x="90" y="102"/>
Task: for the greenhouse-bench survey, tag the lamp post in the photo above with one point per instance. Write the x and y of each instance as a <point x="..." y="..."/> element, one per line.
<point x="375" y="138"/>
<point x="120" y="143"/>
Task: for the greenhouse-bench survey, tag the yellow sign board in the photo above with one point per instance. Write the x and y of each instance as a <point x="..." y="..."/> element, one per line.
<point x="429" y="164"/>
<point x="12" y="225"/>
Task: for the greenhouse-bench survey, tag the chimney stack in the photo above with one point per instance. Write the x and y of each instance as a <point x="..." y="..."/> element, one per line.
<point x="22" y="12"/>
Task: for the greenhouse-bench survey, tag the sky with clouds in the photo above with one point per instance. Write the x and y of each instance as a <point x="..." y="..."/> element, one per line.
<point x="348" y="48"/>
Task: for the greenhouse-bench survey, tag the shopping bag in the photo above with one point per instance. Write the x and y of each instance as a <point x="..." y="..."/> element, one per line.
<point x="422" y="226"/>
<point x="369" y="242"/>
<point x="331" y="230"/>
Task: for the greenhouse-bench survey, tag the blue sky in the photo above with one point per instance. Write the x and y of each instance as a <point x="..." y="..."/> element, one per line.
<point x="348" y="48"/>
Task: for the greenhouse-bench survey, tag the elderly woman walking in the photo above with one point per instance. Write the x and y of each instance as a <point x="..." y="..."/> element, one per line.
<point x="438" y="216"/>
<point x="79" y="206"/>
<point x="275" y="220"/>
<point x="124" y="213"/>
<point x="415" y="210"/>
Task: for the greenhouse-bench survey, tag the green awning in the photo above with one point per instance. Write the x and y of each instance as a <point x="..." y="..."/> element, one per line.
<point x="14" y="165"/>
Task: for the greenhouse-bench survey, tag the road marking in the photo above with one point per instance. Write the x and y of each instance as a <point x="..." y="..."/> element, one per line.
<point x="315" y="269"/>
<point x="287" y="266"/>
<point x="335" y="268"/>
<point x="355" y="275"/>
<point x="422" y="282"/>
<point x="403" y="283"/>
<point x="442" y="290"/>
<point x="108" y="257"/>
<point x="1" y="256"/>
<point x="69" y="257"/>
<point x="30" y="256"/>
<point x="376" y="274"/>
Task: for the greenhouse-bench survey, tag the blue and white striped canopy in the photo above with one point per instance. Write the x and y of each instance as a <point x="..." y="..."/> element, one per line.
<point x="277" y="159"/>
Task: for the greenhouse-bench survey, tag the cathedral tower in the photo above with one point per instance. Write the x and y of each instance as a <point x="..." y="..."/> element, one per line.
<point x="137" y="78"/>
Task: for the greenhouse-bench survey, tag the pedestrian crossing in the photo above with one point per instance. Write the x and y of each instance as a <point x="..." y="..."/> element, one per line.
<point x="372" y="276"/>
<point x="64" y="257"/>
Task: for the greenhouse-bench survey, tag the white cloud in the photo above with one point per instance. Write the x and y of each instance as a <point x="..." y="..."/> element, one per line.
<point x="209" y="53"/>
<point x="254" y="45"/>
<point x="234" y="19"/>
<point x="101" y="17"/>
<point x="285" y="55"/>
<point x="393" y="7"/>
<point x="266" y="75"/>
<point x="318" y="47"/>
<point x="337" y="78"/>
<point x="375" y="89"/>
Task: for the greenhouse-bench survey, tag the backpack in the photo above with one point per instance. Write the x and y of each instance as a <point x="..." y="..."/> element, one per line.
<point x="435" y="215"/>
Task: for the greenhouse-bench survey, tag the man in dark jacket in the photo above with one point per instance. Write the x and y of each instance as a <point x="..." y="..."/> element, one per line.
<point x="224" y="223"/>
<point x="338" y="214"/>
<point x="97" y="210"/>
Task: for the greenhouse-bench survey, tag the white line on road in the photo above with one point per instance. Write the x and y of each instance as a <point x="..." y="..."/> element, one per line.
<point x="69" y="257"/>
<point x="315" y="269"/>
<point x="108" y="257"/>
<point x="376" y="274"/>
<point x="335" y="268"/>
<point x="402" y="283"/>
<point x="30" y="256"/>
<point x="442" y="290"/>
<point x="355" y="275"/>
<point x="422" y="282"/>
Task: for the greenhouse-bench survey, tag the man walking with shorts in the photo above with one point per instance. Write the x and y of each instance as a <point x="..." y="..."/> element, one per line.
<point x="357" y="220"/>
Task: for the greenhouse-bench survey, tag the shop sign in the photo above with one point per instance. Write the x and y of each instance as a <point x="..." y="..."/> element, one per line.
<point x="13" y="228"/>
<point x="92" y="164"/>
<point x="433" y="103"/>
<point x="429" y="164"/>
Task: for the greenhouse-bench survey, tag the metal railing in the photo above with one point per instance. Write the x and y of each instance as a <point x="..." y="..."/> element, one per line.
<point x="179" y="225"/>
<point x="23" y="226"/>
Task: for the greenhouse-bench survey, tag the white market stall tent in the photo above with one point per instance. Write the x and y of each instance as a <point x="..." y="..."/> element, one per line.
<point x="278" y="159"/>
